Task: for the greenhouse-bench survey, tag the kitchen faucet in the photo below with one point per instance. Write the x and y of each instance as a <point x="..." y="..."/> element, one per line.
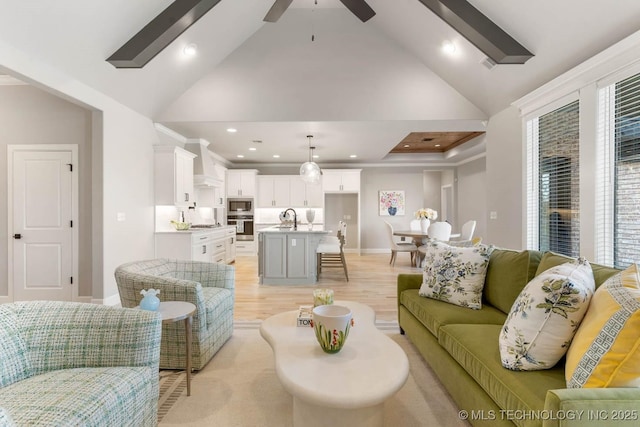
<point x="295" y="217"/>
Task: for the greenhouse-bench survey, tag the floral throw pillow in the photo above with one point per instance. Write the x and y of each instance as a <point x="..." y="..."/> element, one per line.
<point x="455" y="274"/>
<point x="545" y="317"/>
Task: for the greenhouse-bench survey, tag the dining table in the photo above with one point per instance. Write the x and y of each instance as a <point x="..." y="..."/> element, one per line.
<point x="418" y="237"/>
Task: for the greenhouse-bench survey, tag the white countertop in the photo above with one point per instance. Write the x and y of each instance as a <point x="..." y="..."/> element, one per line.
<point x="302" y="228"/>
<point x="196" y="230"/>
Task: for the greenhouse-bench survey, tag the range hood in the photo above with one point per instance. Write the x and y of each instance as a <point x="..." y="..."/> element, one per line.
<point x="205" y="173"/>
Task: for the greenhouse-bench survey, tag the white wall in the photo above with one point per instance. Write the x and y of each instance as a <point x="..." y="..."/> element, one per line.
<point x="472" y="196"/>
<point x="31" y="116"/>
<point x="373" y="231"/>
<point x="504" y="186"/>
<point x="124" y="154"/>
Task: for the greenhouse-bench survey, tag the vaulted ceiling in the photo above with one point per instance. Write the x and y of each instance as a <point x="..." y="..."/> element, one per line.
<point x="359" y="88"/>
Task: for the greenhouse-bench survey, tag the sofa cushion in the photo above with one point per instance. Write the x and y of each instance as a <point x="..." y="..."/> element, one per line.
<point x="454" y="274"/>
<point x="118" y="396"/>
<point x="475" y="348"/>
<point x="433" y="313"/>
<point x="606" y="348"/>
<point x="600" y="272"/>
<point x="217" y="302"/>
<point x="545" y="316"/>
<point x="507" y="275"/>
<point x="15" y="364"/>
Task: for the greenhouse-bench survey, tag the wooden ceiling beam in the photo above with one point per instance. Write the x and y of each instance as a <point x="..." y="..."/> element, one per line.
<point x="482" y="32"/>
<point x="160" y="32"/>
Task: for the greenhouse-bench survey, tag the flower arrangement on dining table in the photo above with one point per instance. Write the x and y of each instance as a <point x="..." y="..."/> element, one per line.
<point x="426" y="213"/>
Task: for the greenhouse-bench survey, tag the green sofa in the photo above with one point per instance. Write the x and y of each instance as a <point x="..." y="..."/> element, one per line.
<point x="461" y="345"/>
<point x="73" y="364"/>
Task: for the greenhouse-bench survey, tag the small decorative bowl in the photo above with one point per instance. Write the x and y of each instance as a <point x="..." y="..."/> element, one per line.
<point x="331" y="324"/>
<point x="181" y="226"/>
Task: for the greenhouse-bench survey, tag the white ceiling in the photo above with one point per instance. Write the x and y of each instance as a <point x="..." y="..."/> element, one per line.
<point x="359" y="87"/>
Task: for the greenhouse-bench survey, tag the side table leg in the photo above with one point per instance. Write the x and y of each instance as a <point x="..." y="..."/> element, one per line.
<point x="187" y="325"/>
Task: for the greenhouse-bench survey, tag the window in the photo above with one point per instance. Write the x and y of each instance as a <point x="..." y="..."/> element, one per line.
<point x="618" y="173"/>
<point x="553" y="181"/>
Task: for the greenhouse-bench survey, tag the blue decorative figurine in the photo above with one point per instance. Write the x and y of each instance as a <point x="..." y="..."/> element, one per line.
<point x="150" y="301"/>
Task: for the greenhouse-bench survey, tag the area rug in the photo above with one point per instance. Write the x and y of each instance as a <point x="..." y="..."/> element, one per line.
<point x="239" y="388"/>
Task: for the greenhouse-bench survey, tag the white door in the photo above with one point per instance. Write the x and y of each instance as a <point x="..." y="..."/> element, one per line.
<point x="42" y="211"/>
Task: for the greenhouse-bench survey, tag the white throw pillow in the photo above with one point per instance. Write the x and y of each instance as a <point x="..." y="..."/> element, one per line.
<point x="545" y="316"/>
<point x="454" y="274"/>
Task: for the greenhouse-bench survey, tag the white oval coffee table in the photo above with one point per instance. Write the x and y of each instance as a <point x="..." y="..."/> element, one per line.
<point x="343" y="389"/>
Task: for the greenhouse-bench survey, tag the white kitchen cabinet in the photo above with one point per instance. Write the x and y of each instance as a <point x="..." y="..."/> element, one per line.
<point x="241" y="182"/>
<point x="230" y="245"/>
<point x="341" y="180"/>
<point x="305" y="195"/>
<point x="209" y="245"/>
<point x="273" y="191"/>
<point x="173" y="176"/>
<point x="245" y="247"/>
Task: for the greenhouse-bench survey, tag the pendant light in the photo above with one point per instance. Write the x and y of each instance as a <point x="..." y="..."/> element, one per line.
<point x="310" y="171"/>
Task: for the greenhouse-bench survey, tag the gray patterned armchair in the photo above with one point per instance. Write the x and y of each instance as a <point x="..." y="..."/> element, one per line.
<point x="73" y="364"/>
<point x="209" y="286"/>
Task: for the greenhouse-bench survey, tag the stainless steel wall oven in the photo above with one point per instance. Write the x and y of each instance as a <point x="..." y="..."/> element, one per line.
<point x="243" y="224"/>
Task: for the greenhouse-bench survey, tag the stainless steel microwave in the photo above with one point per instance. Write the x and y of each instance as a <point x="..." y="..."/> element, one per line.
<point x="239" y="206"/>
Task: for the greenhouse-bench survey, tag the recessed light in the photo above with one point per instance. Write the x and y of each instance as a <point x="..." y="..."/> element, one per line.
<point x="232" y="130"/>
<point x="406" y="146"/>
<point x="353" y="156"/>
<point x="190" y="50"/>
<point x="449" y="47"/>
<point x="437" y="145"/>
<point x="240" y="156"/>
<point x="252" y="148"/>
<point x="276" y="156"/>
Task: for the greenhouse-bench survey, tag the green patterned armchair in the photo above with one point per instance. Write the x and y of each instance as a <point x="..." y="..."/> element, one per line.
<point x="209" y="286"/>
<point x="74" y="364"/>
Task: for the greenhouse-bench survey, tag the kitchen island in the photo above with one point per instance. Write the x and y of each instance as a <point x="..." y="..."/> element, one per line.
<point x="287" y="256"/>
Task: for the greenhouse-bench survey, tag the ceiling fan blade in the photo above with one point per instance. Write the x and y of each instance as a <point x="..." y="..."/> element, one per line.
<point x="360" y="8"/>
<point x="277" y="10"/>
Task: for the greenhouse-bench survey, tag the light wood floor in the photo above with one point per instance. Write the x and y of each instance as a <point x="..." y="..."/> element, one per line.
<point x="372" y="281"/>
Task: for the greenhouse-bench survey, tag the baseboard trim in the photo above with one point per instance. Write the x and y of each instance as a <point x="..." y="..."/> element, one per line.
<point x="113" y="300"/>
<point x="376" y="251"/>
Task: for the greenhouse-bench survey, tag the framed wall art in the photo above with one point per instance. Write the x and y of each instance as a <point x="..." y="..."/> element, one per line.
<point x="391" y="202"/>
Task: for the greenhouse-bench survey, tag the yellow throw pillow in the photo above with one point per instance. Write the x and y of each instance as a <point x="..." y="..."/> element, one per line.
<point x="605" y="351"/>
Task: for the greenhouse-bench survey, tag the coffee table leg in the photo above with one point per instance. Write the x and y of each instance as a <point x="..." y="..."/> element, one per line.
<point x="187" y="325"/>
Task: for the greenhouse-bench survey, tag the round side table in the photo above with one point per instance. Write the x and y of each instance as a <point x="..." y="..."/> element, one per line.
<point x="174" y="311"/>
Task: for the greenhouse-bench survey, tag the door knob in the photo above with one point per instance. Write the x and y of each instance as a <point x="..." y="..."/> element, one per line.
<point x="17" y="236"/>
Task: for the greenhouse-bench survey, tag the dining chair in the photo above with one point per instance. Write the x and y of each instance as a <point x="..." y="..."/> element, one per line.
<point x="440" y="230"/>
<point x="330" y="254"/>
<point x="466" y="232"/>
<point x="400" y="247"/>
